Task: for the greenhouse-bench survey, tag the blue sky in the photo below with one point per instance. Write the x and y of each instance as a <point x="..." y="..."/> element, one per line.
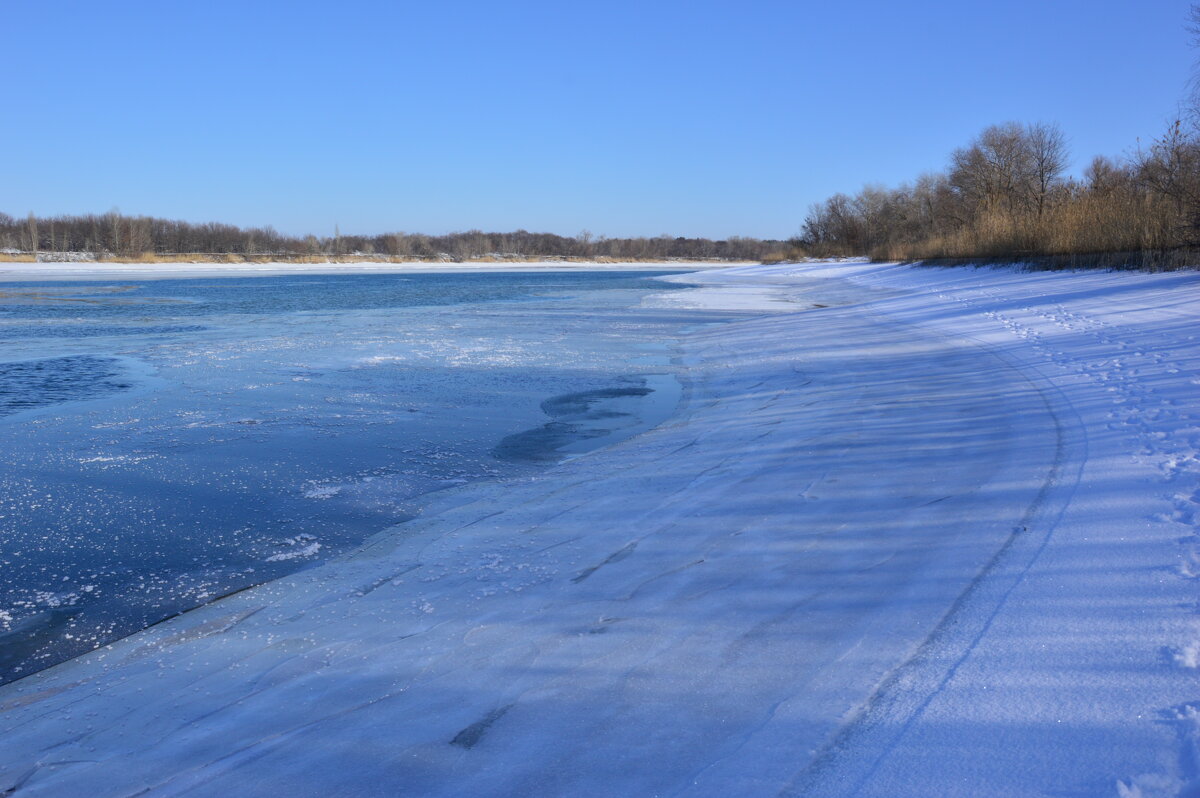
<point x="624" y="118"/>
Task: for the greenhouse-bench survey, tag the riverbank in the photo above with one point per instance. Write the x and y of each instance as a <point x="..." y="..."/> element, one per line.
<point x="911" y="532"/>
<point x="142" y="270"/>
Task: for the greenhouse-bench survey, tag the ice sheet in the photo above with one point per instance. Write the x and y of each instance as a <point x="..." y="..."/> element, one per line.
<point x="169" y="442"/>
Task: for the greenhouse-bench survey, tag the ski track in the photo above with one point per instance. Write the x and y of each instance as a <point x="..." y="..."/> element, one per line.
<point x="756" y="598"/>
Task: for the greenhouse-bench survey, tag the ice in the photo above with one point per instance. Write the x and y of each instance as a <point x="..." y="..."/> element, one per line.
<point x="895" y="539"/>
<point x="168" y="462"/>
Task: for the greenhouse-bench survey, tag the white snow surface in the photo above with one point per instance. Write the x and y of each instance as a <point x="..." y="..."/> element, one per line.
<point x="934" y="537"/>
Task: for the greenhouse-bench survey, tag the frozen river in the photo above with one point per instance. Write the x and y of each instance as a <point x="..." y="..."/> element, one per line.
<point x="171" y="441"/>
<point x="909" y="532"/>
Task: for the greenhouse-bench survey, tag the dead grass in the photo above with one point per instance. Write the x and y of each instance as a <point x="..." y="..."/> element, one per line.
<point x="1117" y="230"/>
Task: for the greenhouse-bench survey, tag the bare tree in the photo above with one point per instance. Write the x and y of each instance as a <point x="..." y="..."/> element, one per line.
<point x="996" y="170"/>
<point x="31" y="234"/>
<point x="1048" y="160"/>
<point x="1171" y="168"/>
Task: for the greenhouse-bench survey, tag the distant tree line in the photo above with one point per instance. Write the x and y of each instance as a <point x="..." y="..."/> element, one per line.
<point x="1005" y="196"/>
<point x="115" y="235"/>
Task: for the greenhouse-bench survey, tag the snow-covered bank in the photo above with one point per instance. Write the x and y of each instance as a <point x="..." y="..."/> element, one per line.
<point x="922" y="532"/>
<point x="91" y="270"/>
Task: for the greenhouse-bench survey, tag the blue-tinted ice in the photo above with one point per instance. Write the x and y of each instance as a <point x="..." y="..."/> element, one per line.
<point x="167" y="442"/>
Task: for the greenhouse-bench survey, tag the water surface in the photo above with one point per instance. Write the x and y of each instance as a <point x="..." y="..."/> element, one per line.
<point x="170" y="441"/>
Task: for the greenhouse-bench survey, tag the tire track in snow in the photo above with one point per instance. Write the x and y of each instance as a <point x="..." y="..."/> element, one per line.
<point x="849" y="760"/>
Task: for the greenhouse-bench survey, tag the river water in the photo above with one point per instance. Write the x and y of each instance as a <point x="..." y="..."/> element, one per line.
<point x="167" y="442"/>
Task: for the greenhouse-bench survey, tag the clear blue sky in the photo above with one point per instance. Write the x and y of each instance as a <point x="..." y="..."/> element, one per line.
<point x="624" y="118"/>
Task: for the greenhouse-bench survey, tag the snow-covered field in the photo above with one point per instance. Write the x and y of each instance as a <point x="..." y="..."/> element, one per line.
<point x="911" y="532"/>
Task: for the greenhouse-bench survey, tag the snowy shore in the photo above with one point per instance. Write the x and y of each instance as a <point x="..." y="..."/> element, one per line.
<point x="911" y="532"/>
<point x="90" y="270"/>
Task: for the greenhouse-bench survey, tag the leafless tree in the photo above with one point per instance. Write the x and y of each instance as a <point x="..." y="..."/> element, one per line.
<point x="1048" y="159"/>
<point x="113" y="233"/>
<point x="1170" y="167"/>
<point x="996" y="170"/>
<point x="31" y="233"/>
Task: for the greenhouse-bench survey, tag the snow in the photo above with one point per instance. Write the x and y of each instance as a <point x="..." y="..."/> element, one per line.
<point x="909" y="532"/>
<point x="302" y="545"/>
<point x="63" y="269"/>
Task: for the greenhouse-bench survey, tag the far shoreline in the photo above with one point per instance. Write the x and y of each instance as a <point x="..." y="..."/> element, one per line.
<point x="23" y="272"/>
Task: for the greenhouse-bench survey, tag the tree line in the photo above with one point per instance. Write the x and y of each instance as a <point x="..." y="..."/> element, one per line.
<point x="1005" y="195"/>
<point x="114" y="235"/>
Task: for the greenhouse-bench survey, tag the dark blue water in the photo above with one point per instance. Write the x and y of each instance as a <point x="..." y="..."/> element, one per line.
<point x="30" y="384"/>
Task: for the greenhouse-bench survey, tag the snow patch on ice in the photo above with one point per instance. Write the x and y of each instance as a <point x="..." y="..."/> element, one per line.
<point x="1150" y="785"/>
<point x="322" y="491"/>
<point x="378" y="360"/>
<point x="118" y="458"/>
<point x="303" y="545"/>
<point x="1189" y="655"/>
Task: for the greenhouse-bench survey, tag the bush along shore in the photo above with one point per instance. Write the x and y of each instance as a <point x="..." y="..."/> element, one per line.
<point x="1006" y="198"/>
